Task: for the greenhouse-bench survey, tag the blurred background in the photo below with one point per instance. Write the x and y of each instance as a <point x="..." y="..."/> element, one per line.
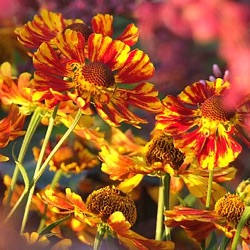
<point x="184" y="39"/>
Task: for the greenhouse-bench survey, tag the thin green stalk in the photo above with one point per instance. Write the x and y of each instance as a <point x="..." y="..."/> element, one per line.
<point x="58" y="145"/>
<point x="33" y="124"/>
<point x="160" y="210"/>
<point x="208" y="199"/>
<point x="55" y="180"/>
<point x="209" y="188"/>
<point x="166" y="192"/>
<point x="38" y="165"/>
<point x="44" y="165"/>
<point x="101" y="230"/>
<point x="245" y="216"/>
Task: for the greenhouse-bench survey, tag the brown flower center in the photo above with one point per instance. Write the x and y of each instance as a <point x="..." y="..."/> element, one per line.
<point x="84" y="29"/>
<point x="105" y="201"/>
<point x="212" y="108"/>
<point x="230" y="207"/>
<point x="98" y="74"/>
<point x="161" y="149"/>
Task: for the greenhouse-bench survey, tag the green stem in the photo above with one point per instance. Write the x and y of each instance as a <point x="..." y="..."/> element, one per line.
<point x="33" y="124"/>
<point x="101" y="230"/>
<point x="245" y="216"/>
<point x="55" y="180"/>
<point x="58" y="145"/>
<point x="160" y="210"/>
<point x="209" y="188"/>
<point x="208" y="199"/>
<point x="38" y="165"/>
<point x="166" y="192"/>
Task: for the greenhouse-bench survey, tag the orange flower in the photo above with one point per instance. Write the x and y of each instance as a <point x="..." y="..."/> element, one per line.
<point x="47" y="25"/>
<point x="72" y="157"/>
<point x="198" y="121"/>
<point x="198" y="224"/>
<point x="10" y="128"/>
<point x="107" y="205"/>
<point x="95" y="76"/>
<point x="158" y="157"/>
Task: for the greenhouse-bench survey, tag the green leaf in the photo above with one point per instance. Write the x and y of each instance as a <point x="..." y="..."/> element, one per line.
<point x="48" y="229"/>
<point x="23" y="172"/>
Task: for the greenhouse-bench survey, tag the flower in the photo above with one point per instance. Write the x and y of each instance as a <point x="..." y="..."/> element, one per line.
<point x="72" y="157"/>
<point x="198" y="121"/>
<point x="95" y="77"/>
<point x="47" y="25"/>
<point x="198" y="224"/>
<point x="106" y="205"/>
<point x="11" y="128"/>
<point x="159" y="157"/>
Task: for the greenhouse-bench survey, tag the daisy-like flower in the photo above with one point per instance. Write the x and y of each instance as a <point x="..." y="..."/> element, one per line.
<point x="11" y="128"/>
<point x="197" y="120"/>
<point x="96" y="77"/>
<point x="47" y="25"/>
<point x="198" y="224"/>
<point x="107" y="205"/>
<point x="72" y="157"/>
<point x="159" y="157"/>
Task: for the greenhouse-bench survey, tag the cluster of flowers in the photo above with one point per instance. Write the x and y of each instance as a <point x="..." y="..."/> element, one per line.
<point x="83" y="73"/>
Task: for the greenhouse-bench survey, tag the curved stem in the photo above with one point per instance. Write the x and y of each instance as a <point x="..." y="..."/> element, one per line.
<point x="38" y="165"/>
<point x="101" y="230"/>
<point x="244" y="218"/>
<point x="33" y="124"/>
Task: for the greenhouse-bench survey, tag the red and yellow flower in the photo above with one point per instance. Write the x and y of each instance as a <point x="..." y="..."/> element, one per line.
<point x="95" y="76"/>
<point x="158" y="157"/>
<point x="198" y="224"/>
<point x="107" y="205"/>
<point x="11" y="128"/>
<point x="47" y="25"/>
<point x="197" y="120"/>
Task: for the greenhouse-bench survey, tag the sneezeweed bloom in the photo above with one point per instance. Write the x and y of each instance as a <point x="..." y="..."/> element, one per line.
<point x="197" y="120"/>
<point x="47" y="25"/>
<point x="159" y="157"/>
<point x="73" y="156"/>
<point x="198" y="224"/>
<point x="109" y="206"/>
<point x="11" y="128"/>
<point x="95" y="77"/>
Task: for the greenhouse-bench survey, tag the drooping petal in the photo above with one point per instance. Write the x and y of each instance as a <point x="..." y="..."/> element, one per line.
<point x="197" y="223"/>
<point x="130" y="35"/>
<point x="118" y="224"/>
